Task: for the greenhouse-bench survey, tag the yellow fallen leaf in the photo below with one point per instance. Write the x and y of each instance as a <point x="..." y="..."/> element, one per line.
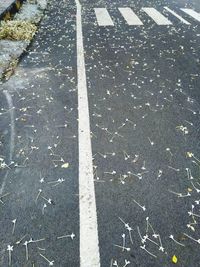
<point x="65" y="165"/>
<point x="189" y="189"/>
<point x="189" y="154"/>
<point x="174" y="259"/>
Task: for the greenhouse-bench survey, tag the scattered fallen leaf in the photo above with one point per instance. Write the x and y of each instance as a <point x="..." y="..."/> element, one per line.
<point x="189" y="154"/>
<point x="174" y="259"/>
<point x="65" y="165"/>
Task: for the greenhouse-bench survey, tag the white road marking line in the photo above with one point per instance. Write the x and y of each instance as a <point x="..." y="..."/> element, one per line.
<point x="12" y="135"/>
<point x="89" y="243"/>
<point x="192" y="13"/>
<point x="130" y="17"/>
<point x="103" y="17"/>
<point x="177" y="16"/>
<point x="156" y="16"/>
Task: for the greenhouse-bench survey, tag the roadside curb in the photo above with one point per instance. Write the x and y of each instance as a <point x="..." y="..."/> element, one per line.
<point x="11" y="51"/>
<point x="11" y="10"/>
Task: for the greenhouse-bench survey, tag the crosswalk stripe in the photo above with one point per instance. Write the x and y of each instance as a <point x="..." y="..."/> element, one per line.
<point x="177" y="16"/>
<point x="156" y="16"/>
<point x="192" y="13"/>
<point x="103" y="17"/>
<point x="130" y="17"/>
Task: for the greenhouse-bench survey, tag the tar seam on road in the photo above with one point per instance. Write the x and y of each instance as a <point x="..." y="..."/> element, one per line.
<point x="12" y="135"/>
<point x="89" y="243"/>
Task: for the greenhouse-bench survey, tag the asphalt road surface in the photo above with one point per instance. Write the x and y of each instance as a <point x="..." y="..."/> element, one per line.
<point x="99" y="138"/>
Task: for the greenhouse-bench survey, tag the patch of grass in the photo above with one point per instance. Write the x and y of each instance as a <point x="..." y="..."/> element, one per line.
<point x="17" y="30"/>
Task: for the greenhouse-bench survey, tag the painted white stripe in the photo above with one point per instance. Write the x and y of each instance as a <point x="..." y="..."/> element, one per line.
<point x="130" y="17"/>
<point x="177" y="16"/>
<point x="103" y="17"/>
<point x="192" y="13"/>
<point x="156" y="16"/>
<point x="89" y="243"/>
<point x="12" y="136"/>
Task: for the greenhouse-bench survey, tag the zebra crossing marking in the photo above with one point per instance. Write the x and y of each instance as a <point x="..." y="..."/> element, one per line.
<point x="177" y="16"/>
<point x="132" y="19"/>
<point x="156" y="16"/>
<point x="192" y="13"/>
<point x="103" y="17"/>
<point x="130" y="16"/>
